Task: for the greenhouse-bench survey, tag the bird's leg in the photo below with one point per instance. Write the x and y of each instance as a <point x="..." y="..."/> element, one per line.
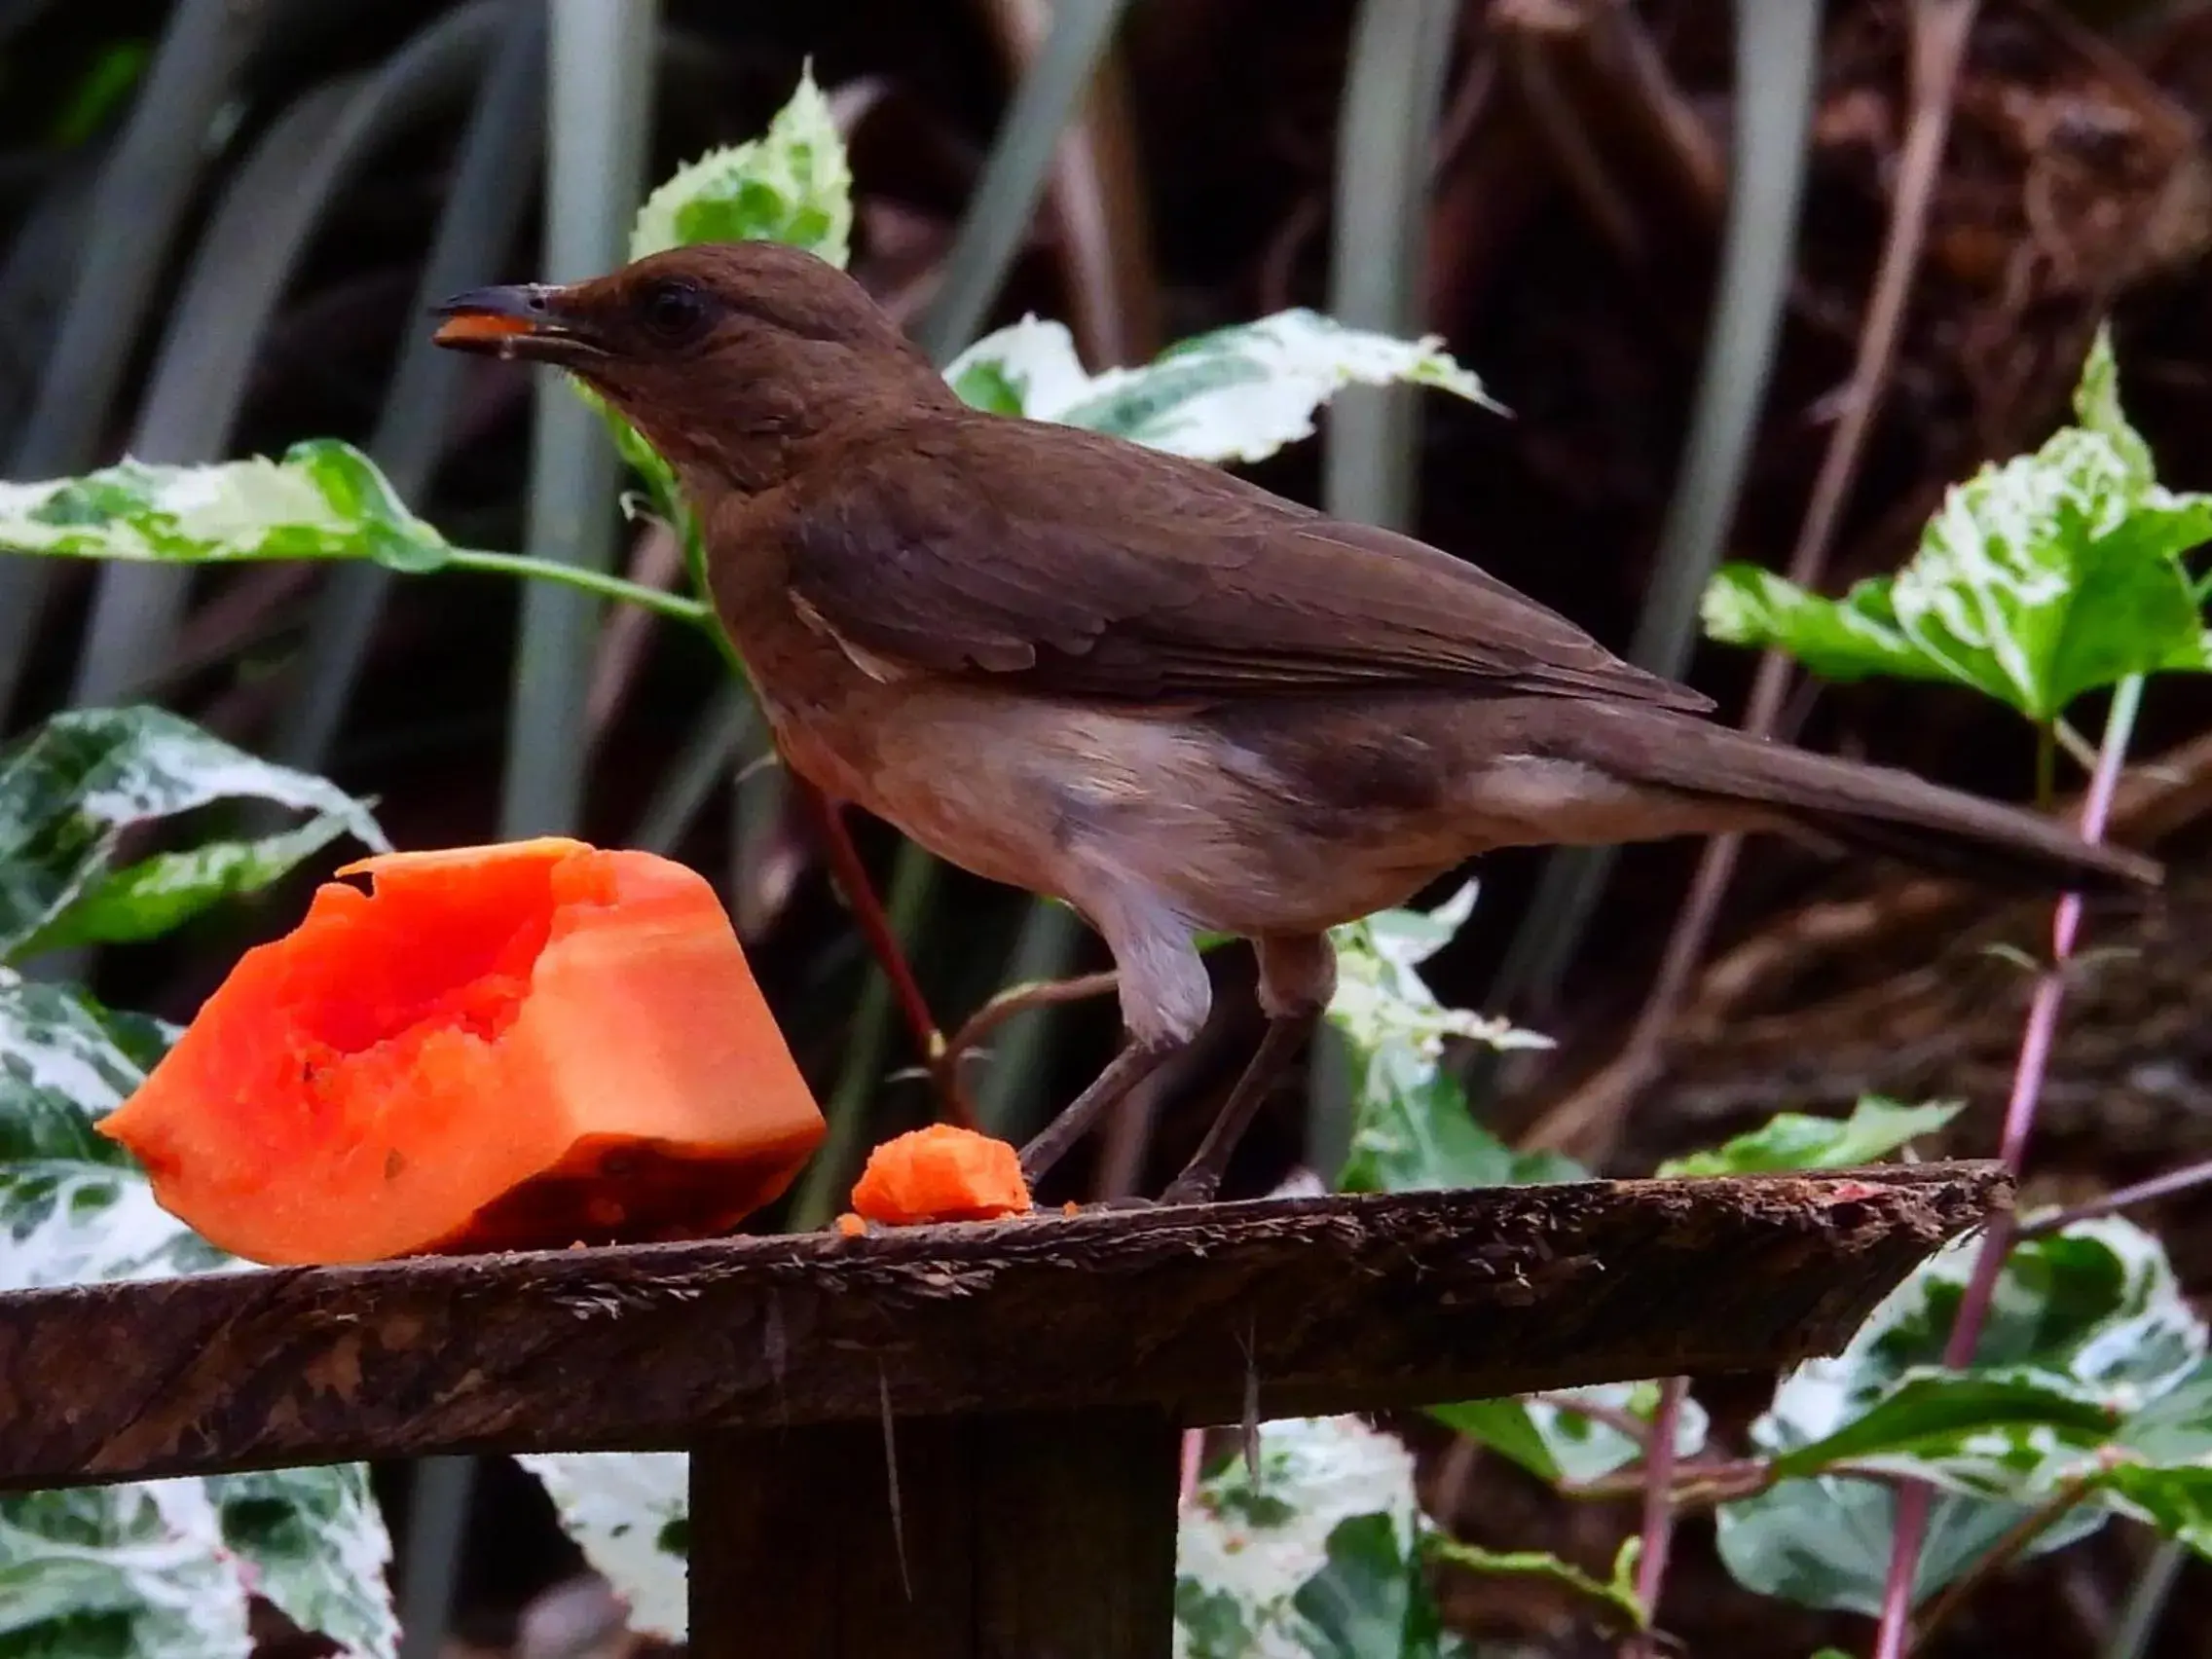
<point x="1123" y="1071"/>
<point x="1298" y="976"/>
<point x="851" y="876"/>
<point x="1165" y="997"/>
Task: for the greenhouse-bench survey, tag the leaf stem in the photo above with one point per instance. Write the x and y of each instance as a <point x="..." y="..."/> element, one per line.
<point x="2003" y="1553"/>
<point x="2165" y="1186"/>
<point x="2036" y="1041"/>
<point x="977" y="1029"/>
<point x="599" y="583"/>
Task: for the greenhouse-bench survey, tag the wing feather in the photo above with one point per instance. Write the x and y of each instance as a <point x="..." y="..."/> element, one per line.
<point x="1074" y="565"/>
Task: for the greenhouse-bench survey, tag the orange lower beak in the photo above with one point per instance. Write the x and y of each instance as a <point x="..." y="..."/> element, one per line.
<point x="522" y="319"/>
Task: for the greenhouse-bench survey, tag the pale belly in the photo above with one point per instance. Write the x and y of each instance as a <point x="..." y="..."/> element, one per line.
<point x="1081" y="803"/>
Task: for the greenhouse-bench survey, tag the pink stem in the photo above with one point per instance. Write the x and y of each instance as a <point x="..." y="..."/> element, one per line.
<point x="2019" y="1121"/>
<point x="1897" y="1587"/>
<point x="1658" y="1503"/>
<point x="1193" y="1458"/>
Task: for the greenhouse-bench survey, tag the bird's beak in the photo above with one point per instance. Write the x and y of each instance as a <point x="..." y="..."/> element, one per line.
<point x="526" y="319"/>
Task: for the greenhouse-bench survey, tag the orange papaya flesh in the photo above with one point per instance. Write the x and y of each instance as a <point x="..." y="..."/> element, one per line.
<point x="506" y="1046"/>
<point x="941" y="1173"/>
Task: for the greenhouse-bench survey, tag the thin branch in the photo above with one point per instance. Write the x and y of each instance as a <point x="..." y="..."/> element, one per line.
<point x="1625" y="1424"/>
<point x="2002" y="1554"/>
<point x="1658" y="1510"/>
<point x="1939" y="33"/>
<point x="2035" y="1039"/>
<point x="2166" y="1186"/>
<point x="977" y="1029"/>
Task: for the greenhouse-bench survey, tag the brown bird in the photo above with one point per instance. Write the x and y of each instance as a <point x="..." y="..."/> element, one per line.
<point x="1135" y="681"/>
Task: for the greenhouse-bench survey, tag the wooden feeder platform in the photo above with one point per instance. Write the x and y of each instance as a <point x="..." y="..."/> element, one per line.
<point x="1030" y="1377"/>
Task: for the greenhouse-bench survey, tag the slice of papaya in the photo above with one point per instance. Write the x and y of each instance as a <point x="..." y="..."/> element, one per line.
<point x="506" y="1046"/>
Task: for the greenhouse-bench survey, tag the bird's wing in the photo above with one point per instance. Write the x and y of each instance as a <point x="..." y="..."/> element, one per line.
<point x="1074" y="565"/>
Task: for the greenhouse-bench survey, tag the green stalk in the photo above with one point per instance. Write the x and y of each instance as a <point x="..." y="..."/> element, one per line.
<point x="600" y="584"/>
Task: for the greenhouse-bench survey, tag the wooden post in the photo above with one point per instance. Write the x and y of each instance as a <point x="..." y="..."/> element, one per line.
<point x="1044" y="1536"/>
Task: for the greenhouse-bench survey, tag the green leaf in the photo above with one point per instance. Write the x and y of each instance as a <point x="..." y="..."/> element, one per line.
<point x="314" y="1545"/>
<point x="630" y="1512"/>
<point x="1237" y="393"/>
<point x="1412" y="1132"/>
<point x="1615" y="1596"/>
<point x="1247" y="1548"/>
<point x="70" y="789"/>
<point x="2096" y="408"/>
<point x="162" y="1567"/>
<point x="74" y="1208"/>
<point x="1371" y="1598"/>
<point x="984" y="384"/>
<point x="161" y="894"/>
<point x="1843" y="639"/>
<point x="1937" y="1420"/>
<point x="65" y="1064"/>
<point x="2087" y="1326"/>
<point x="1558" y="1444"/>
<point x="1411" y="1128"/>
<point x="2177" y="1502"/>
<point x="1825" y="1542"/>
<point x="324" y="499"/>
<point x="1791" y="1140"/>
<point x="117" y="1572"/>
<point x="2050" y="576"/>
<point x="791" y="185"/>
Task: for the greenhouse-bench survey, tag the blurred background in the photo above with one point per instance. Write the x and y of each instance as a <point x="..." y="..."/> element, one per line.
<point x="1754" y="281"/>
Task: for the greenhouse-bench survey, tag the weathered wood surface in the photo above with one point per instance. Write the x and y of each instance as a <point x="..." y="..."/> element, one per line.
<point x="1312" y="1304"/>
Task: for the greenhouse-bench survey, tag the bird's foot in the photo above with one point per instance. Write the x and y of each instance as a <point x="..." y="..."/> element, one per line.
<point x="1197" y="1184"/>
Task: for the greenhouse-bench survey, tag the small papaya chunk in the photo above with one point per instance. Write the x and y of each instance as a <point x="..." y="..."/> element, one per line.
<point x="505" y="1047"/>
<point x="941" y="1173"/>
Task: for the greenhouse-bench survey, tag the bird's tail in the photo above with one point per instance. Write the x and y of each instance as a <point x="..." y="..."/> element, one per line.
<point x="1877" y="809"/>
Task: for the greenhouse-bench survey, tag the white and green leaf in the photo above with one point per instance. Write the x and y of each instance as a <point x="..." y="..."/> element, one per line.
<point x="2038" y="580"/>
<point x="1411" y="1126"/>
<point x="312" y="1543"/>
<point x="70" y="791"/>
<point x="167" y="1567"/>
<point x="65" y="1064"/>
<point x="630" y="1513"/>
<point x="2087" y="1332"/>
<point x="1248" y="1547"/>
<point x="324" y="499"/>
<point x="1238" y="393"/>
<point x="791" y="185"/>
<point x="1558" y="1444"/>
<point x="117" y="1572"/>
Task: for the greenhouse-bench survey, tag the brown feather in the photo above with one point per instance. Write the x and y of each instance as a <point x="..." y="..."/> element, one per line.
<point x="1056" y="561"/>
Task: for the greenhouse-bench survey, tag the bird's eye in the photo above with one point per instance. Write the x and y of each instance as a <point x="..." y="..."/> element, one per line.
<point x="673" y="311"/>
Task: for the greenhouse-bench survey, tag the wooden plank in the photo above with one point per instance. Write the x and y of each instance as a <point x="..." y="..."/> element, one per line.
<point x="1015" y="1536"/>
<point x="1319" y="1305"/>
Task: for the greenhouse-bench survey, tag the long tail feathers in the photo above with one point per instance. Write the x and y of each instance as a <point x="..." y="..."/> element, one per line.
<point x="1877" y="809"/>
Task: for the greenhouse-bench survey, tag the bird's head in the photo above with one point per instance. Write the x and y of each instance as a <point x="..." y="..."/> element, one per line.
<point x="725" y="354"/>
